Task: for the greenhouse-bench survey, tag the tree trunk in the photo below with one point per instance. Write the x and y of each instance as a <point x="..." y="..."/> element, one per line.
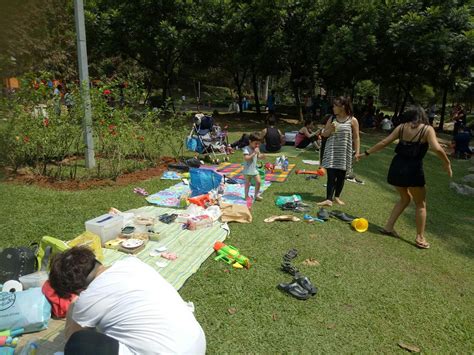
<point x="238" y="83"/>
<point x="255" y="92"/>
<point x="443" y="108"/>
<point x="296" y="93"/>
<point x="397" y="101"/>
<point x="405" y="99"/>
<point x="265" y="90"/>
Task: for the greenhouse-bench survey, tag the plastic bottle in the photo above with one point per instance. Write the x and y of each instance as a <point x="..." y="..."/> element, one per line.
<point x="285" y="165"/>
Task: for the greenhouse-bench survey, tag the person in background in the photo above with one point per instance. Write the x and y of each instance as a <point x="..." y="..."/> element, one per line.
<point x="386" y="125"/>
<point x="271" y="103"/>
<point x="272" y="137"/>
<point x="432" y="114"/>
<point x="342" y="131"/>
<point x="461" y="144"/>
<point x="125" y="308"/>
<point x="406" y="170"/>
<point x="306" y="136"/>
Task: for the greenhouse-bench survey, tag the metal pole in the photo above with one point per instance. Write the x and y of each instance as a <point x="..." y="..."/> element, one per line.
<point x="84" y="82"/>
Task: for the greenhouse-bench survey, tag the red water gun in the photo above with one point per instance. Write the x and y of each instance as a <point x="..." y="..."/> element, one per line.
<point x="320" y="172"/>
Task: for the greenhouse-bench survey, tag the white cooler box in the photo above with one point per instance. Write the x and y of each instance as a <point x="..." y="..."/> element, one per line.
<point x="290" y="137"/>
<point x="107" y="226"/>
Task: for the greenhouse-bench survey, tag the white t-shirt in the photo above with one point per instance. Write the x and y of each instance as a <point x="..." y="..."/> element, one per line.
<point x="387" y="125"/>
<point x="135" y="305"/>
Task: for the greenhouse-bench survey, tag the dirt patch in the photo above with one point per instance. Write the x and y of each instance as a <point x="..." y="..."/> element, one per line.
<point x="74" y="185"/>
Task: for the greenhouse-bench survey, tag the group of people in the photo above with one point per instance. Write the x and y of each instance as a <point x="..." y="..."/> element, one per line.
<point x="406" y="172"/>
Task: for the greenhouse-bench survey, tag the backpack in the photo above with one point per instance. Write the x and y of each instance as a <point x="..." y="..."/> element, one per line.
<point x="16" y="262"/>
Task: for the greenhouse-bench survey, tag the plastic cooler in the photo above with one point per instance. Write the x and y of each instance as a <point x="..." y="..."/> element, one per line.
<point x="107" y="226"/>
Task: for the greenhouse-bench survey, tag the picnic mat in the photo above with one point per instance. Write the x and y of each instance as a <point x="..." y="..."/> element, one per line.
<point x="233" y="194"/>
<point x="233" y="170"/>
<point x="286" y="150"/>
<point x="192" y="248"/>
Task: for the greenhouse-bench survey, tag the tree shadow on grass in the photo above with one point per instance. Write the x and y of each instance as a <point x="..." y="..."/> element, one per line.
<point x="375" y="229"/>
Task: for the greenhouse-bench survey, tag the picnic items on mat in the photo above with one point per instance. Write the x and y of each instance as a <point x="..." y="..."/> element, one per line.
<point x="234" y="171"/>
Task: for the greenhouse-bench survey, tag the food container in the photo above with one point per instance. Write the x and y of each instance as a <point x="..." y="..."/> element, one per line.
<point x="107" y="226"/>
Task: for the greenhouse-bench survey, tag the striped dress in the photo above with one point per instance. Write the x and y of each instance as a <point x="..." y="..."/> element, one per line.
<point x="338" y="150"/>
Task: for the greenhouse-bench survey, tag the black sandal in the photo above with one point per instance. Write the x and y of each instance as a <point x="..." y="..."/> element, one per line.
<point x="295" y="289"/>
<point x="291" y="254"/>
<point x="287" y="267"/>
<point x="304" y="282"/>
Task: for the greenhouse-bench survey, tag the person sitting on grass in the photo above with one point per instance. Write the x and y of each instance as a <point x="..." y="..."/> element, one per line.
<point x="306" y="136"/>
<point x="132" y="307"/>
<point x="272" y="137"/>
<point x="461" y="143"/>
<point x="251" y="154"/>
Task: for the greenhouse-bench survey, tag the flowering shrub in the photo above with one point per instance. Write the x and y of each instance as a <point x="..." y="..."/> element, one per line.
<point x="47" y="136"/>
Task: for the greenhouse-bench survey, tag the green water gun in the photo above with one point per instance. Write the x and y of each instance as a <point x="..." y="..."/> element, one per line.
<point x="231" y="255"/>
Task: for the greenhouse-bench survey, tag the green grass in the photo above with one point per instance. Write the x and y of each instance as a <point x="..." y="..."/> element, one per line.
<point x="374" y="291"/>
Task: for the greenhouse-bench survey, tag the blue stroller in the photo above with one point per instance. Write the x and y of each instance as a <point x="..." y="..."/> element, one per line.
<point x="207" y="139"/>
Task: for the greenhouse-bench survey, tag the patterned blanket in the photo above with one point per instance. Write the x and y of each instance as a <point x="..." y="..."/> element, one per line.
<point x="233" y="170"/>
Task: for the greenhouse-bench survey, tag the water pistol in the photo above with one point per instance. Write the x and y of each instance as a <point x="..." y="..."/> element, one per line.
<point x="319" y="172"/>
<point x="231" y="255"/>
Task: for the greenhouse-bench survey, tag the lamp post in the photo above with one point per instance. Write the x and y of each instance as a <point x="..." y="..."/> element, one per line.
<point x="84" y="82"/>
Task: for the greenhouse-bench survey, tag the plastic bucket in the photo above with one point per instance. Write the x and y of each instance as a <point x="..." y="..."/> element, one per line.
<point x="360" y="224"/>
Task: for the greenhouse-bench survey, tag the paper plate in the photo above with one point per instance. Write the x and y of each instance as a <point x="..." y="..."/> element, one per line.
<point x="132" y="243"/>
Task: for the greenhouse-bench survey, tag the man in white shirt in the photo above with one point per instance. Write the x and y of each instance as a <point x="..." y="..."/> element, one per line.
<point x="132" y="307"/>
<point x="386" y="124"/>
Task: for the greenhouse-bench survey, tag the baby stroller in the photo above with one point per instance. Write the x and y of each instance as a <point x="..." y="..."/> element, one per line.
<point x="208" y="139"/>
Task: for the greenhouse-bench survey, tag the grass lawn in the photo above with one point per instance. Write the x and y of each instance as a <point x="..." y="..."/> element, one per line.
<point x="374" y="291"/>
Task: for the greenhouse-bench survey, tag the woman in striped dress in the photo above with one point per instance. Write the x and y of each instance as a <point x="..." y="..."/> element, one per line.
<point x="342" y="131"/>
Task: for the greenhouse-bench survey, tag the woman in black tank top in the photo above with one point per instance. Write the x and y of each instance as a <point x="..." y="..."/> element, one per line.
<point x="406" y="170"/>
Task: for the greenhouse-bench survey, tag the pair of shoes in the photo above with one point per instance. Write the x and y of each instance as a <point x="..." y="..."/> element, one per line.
<point x="284" y="217"/>
<point x="389" y="233"/>
<point x="286" y="266"/>
<point x="323" y="214"/>
<point x="295" y="206"/>
<point x="301" y="288"/>
<point x="168" y="218"/>
<point x="342" y="216"/>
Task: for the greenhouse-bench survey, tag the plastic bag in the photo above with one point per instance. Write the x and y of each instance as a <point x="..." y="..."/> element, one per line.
<point x="91" y="241"/>
<point x="203" y="181"/>
<point x="281" y="200"/>
<point x="24" y="309"/>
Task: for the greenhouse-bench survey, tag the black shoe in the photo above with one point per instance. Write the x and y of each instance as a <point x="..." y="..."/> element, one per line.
<point x="323" y="214"/>
<point x="291" y="254"/>
<point x="304" y="282"/>
<point x="295" y="289"/>
<point x="342" y="216"/>
<point x="287" y="267"/>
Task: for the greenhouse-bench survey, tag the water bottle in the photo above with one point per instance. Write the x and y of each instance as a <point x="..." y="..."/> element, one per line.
<point x="285" y="165"/>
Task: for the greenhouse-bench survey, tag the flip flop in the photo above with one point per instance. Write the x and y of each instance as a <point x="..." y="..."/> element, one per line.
<point x="391" y="233"/>
<point x="342" y="216"/>
<point x="295" y="290"/>
<point x="282" y="218"/>
<point x="323" y="214"/>
<point x="287" y="267"/>
<point x="290" y="254"/>
<point x="307" y="285"/>
<point x="422" y="245"/>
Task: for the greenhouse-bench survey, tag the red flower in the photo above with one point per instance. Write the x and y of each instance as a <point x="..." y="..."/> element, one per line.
<point x="46" y="122"/>
<point x="26" y="139"/>
<point x="107" y="92"/>
<point x="112" y="127"/>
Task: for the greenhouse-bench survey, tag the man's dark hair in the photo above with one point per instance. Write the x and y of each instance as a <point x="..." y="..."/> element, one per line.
<point x="272" y="120"/>
<point x="255" y="137"/>
<point x="69" y="270"/>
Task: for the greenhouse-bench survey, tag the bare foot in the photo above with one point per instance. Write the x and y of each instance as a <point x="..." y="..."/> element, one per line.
<point x="339" y="201"/>
<point x="325" y="203"/>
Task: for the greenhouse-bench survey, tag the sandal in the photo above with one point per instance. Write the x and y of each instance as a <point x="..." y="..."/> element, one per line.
<point x="295" y="289"/>
<point x="422" y="245"/>
<point x="389" y="233"/>
<point x="307" y="285"/>
<point x="342" y="216"/>
<point x="323" y="214"/>
<point x="291" y="254"/>
<point x="282" y="218"/>
<point x="287" y="267"/>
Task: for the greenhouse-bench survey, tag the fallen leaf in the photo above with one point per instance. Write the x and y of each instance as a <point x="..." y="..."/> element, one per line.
<point x="312" y="236"/>
<point x="274" y="316"/>
<point x="311" y="262"/>
<point x="226" y="270"/>
<point x="232" y="310"/>
<point x="409" y="347"/>
<point x="331" y="326"/>
<point x="348" y="306"/>
<point x="337" y="275"/>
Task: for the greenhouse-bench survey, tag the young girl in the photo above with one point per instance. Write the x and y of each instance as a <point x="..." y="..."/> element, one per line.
<point x="251" y="154"/>
<point x="306" y="136"/>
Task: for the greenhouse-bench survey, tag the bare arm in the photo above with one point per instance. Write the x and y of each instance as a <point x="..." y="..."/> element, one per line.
<point x="355" y="136"/>
<point x="383" y="143"/>
<point x="434" y="145"/>
<point x="282" y="138"/>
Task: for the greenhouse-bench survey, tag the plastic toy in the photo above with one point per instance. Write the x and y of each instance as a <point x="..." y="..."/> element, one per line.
<point x="201" y="200"/>
<point x="319" y="172"/>
<point x="8" y="341"/>
<point x="230" y="255"/>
